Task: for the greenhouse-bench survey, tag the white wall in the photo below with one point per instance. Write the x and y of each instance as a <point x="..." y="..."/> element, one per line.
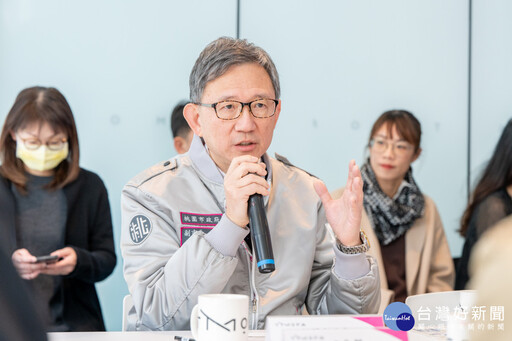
<point x="123" y="65"/>
<point x="491" y="93"/>
<point x="344" y="64"/>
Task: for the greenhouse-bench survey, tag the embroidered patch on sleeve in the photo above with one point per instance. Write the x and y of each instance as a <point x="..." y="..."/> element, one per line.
<point x="140" y="228"/>
<point x="188" y="231"/>
<point x="195" y="222"/>
<point x="200" y="219"/>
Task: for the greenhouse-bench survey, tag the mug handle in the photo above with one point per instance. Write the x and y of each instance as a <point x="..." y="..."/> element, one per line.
<point x="193" y="321"/>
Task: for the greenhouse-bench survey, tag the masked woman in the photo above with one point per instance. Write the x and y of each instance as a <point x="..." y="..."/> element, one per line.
<point x="50" y="206"/>
<point x="403" y="225"/>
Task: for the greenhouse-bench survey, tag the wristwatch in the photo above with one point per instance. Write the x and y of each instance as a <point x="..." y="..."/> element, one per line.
<point x="365" y="246"/>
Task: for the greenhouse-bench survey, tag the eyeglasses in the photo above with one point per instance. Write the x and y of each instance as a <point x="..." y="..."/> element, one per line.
<point x="33" y="144"/>
<point x="231" y="110"/>
<point x="380" y="145"/>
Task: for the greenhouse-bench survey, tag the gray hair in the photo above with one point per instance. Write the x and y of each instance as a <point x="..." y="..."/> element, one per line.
<point x="223" y="53"/>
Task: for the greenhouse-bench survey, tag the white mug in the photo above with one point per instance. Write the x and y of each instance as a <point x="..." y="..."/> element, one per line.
<point x="220" y="317"/>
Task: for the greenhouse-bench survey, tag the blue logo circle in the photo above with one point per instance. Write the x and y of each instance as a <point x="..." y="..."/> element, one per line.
<point x="398" y="316"/>
<point x="405" y="321"/>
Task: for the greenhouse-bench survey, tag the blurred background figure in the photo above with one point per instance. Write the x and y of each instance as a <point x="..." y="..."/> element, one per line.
<point x="51" y="206"/>
<point x="403" y="225"/>
<point x="181" y="132"/>
<point x="491" y="277"/>
<point x="490" y="202"/>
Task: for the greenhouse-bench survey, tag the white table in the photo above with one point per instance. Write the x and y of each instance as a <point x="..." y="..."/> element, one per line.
<point x="254" y="335"/>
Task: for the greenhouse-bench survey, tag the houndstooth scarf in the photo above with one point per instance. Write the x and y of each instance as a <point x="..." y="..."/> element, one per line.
<point x="391" y="217"/>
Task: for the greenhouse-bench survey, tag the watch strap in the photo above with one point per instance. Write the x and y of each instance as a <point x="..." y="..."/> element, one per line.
<point x="364" y="247"/>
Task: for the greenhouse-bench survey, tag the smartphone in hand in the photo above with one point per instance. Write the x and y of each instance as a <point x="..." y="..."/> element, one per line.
<point x="47" y="259"/>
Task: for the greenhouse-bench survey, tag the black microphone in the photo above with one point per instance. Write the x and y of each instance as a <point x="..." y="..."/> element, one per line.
<point x="260" y="234"/>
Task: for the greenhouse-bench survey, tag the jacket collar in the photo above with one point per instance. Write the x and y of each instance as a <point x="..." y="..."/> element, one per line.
<point x="202" y="161"/>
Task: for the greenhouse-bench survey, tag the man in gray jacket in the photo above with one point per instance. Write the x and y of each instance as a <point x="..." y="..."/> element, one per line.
<point x="185" y="222"/>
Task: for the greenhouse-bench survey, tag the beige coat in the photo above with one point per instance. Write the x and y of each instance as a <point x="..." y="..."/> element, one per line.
<point x="491" y="277"/>
<point x="428" y="263"/>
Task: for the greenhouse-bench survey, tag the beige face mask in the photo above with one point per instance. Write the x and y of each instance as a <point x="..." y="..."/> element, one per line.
<point x="41" y="159"/>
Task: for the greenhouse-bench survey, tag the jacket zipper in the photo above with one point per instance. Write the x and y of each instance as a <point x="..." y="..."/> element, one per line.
<point x="252" y="284"/>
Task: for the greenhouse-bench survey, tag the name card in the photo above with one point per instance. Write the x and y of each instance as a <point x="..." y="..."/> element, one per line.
<point x="330" y="328"/>
<point x="337" y="335"/>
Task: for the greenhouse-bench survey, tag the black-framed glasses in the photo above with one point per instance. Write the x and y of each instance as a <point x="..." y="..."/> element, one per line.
<point x="231" y="110"/>
<point x="34" y="144"/>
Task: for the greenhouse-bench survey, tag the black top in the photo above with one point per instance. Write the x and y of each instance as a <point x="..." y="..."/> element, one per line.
<point x="40" y="228"/>
<point x="492" y="209"/>
<point x="393" y="256"/>
<point x="89" y="233"/>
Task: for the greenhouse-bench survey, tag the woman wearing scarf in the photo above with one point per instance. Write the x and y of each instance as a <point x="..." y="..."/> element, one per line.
<point x="402" y="224"/>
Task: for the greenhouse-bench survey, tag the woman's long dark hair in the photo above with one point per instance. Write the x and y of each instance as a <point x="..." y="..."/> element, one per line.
<point x="497" y="174"/>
